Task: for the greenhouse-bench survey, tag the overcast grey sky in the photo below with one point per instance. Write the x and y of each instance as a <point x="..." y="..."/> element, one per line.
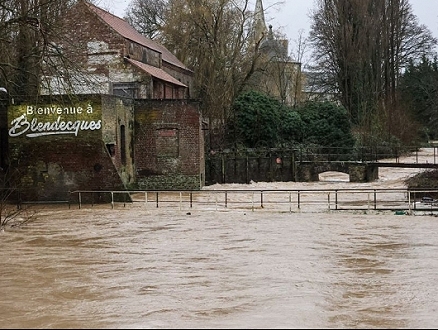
<point x="291" y="16"/>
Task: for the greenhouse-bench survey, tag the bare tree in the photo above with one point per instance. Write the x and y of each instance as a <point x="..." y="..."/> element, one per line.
<point x="147" y="16"/>
<point x="214" y="38"/>
<point x="12" y="213"/>
<point x="299" y="54"/>
<point x="361" y="47"/>
<point x="26" y="28"/>
<point x="27" y="31"/>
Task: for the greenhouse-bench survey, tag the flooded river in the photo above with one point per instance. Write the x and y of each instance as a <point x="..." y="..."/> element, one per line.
<point x="138" y="267"/>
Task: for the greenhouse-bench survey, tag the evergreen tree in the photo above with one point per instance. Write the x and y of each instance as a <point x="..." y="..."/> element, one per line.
<point x="419" y="94"/>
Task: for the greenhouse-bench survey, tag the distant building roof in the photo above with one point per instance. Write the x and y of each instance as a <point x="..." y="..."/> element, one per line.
<point x="127" y="31"/>
<point x="275" y="48"/>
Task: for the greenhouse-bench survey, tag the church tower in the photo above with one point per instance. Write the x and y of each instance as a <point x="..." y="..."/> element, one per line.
<point x="277" y="76"/>
<point x="260" y="30"/>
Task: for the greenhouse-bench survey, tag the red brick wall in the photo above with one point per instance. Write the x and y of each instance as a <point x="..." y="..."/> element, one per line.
<point x="164" y="150"/>
<point x="168" y="143"/>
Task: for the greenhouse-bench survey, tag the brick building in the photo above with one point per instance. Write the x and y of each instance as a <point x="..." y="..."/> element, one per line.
<point x="122" y="120"/>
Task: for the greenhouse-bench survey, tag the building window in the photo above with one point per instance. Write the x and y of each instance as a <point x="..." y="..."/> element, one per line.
<point x="125" y="90"/>
<point x="167" y="143"/>
<point x="123" y="144"/>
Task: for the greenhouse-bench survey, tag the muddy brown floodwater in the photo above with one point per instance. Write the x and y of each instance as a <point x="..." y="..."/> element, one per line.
<point x="138" y="267"/>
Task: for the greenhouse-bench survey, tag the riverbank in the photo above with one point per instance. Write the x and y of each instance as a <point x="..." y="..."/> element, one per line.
<point x="424" y="180"/>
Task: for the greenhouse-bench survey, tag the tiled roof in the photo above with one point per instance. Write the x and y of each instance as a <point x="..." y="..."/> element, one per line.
<point x="156" y="72"/>
<point x="127" y="31"/>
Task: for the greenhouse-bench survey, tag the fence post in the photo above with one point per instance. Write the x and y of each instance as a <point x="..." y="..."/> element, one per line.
<point x="247" y="169"/>
<point x="298" y="200"/>
<point x="415" y="204"/>
<point x="223" y="168"/>
<point x="375" y="199"/>
<point x="261" y="198"/>
<point x="226" y="199"/>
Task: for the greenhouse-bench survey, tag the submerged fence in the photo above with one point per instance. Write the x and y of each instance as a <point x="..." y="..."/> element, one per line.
<point x="299" y="200"/>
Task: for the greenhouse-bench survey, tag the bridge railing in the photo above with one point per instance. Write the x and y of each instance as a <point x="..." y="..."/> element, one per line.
<point x="364" y="154"/>
<point x="318" y="153"/>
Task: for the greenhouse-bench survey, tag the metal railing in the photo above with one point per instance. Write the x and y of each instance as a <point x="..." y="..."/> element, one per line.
<point x="317" y="153"/>
<point x="279" y="200"/>
<point x="362" y="154"/>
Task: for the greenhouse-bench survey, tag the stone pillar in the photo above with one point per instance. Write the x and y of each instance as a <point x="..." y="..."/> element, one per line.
<point x="306" y="173"/>
<point x="363" y="172"/>
<point x="372" y="173"/>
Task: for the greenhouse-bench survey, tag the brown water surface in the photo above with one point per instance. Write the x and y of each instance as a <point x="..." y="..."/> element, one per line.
<point x="138" y="267"/>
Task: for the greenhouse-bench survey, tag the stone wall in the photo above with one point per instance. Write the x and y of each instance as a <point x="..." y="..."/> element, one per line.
<point x="240" y="168"/>
<point x="279" y="165"/>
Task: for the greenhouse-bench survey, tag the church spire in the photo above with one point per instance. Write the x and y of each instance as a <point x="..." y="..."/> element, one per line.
<point x="260" y="29"/>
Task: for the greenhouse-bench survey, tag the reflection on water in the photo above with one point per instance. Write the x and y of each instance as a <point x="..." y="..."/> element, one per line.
<point x="104" y="268"/>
